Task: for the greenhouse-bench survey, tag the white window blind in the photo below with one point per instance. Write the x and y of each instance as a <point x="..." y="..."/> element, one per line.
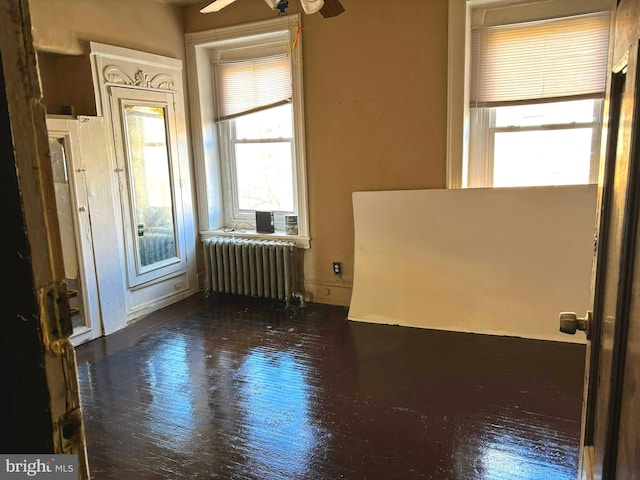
<point x="251" y="85"/>
<point x="547" y="59"/>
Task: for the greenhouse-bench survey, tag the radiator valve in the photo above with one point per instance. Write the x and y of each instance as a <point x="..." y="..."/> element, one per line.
<point x="300" y="298"/>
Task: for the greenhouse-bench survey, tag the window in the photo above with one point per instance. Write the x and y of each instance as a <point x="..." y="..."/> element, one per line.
<point x="536" y="77"/>
<point x="551" y="143"/>
<point x="257" y="142"/>
<point x="250" y="142"/>
<point x="259" y="160"/>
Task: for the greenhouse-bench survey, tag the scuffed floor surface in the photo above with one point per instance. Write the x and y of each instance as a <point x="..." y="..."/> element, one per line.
<point x="218" y="389"/>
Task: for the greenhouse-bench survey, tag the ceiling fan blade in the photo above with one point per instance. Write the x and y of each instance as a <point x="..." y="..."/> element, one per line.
<point x="216" y="5"/>
<point x="311" y="6"/>
<point x="331" y="8"/>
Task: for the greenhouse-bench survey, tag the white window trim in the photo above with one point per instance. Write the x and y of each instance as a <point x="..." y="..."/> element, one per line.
<point x="208" y="172"/>
<point x="459" y="73"/>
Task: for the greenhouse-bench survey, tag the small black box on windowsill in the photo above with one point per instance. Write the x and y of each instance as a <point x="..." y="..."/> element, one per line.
<point x="264" y="222"/>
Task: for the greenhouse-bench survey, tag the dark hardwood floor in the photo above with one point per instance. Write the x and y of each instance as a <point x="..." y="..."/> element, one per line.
<point x="229" y="389"/>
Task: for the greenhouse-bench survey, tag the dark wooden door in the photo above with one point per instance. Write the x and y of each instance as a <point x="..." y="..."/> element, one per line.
<point x="611" y="424"/>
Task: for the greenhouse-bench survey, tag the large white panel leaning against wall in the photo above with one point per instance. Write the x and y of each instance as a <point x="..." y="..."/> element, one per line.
<point x="495" y="261"/>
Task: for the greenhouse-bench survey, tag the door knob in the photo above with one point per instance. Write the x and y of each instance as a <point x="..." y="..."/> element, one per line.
<point x="570" y="323"/>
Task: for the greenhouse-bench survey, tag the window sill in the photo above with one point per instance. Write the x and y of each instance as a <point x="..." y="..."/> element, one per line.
<point x="300" y="240"/>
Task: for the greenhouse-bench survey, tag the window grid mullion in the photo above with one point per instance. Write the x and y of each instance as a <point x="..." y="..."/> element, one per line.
<point x="535" y="128"/>
<point x="490" y="155"/>
<point x="237" y="141"/>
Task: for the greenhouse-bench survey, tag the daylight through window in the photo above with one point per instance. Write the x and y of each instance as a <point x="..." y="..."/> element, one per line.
<point x="536" y="95"/>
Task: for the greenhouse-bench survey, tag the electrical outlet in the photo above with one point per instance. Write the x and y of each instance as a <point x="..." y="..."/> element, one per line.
<point x="337" y="269"/>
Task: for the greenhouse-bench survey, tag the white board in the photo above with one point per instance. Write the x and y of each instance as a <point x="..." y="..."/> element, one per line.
<point x="501" y="261"/>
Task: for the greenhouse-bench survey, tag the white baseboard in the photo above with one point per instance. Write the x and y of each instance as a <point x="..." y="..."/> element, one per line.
<point x="328" y="293"/>
<point x="150" y="307"/>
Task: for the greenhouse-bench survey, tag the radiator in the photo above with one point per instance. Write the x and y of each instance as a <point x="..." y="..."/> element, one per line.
<point x="256" y="268"/>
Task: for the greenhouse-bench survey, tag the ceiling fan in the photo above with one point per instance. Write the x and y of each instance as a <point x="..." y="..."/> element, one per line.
<point x="327" y="8"/>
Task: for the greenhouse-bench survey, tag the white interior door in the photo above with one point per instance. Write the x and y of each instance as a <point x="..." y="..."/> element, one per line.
<point x="74" y="219"/>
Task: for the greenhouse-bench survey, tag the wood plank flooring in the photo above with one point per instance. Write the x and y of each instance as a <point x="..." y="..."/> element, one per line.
<point x="229" y="389"/>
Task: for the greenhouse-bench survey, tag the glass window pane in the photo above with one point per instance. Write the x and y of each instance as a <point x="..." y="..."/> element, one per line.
<point x="575" y="111"/>
<point x="276" y="122"/>
<point x="154" y="219"/>
<point x="543" y="157"/>
<point x="264" y="176"/>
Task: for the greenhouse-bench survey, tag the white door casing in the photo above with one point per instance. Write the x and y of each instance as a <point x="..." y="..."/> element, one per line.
<point x="126" y="78"/>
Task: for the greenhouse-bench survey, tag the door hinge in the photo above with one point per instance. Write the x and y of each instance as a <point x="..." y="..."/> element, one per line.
<point x="55" y="317"/>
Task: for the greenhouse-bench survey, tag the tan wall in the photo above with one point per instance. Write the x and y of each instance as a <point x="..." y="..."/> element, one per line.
<point x="66" y="81"/>
<point x="375" y="98"/>
<point x="66" y="26"/>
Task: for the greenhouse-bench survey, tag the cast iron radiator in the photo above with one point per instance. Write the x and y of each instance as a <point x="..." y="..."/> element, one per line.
<point x="256" y="268"/>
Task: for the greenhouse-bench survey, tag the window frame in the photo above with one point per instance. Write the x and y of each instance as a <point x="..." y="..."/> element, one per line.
<point x="459" y="69"/>
<point x="232" y="211"/>
<point x="212" y="178"/>
<point x="481" y="173"/>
